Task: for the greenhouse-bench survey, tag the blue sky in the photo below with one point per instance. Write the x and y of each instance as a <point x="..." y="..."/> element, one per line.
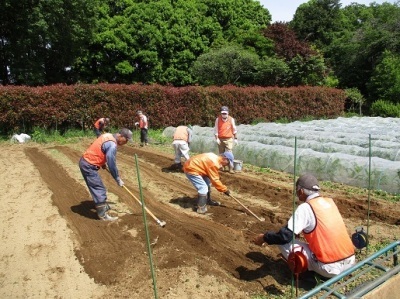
<point x="283" y="10"/>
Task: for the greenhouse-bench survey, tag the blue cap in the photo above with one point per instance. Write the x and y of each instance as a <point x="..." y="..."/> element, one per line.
<point x="229" y="156"/>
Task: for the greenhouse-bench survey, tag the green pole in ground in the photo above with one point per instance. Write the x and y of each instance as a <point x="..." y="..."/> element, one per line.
<point x="146" y="230"/>
<point x="294" y="202"/>
<point x="369" y="189"/>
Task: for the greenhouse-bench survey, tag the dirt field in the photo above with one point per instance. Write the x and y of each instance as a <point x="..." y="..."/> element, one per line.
<point x="53" y="246"/>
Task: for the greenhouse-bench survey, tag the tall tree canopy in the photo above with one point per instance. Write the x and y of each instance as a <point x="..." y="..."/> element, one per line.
<point x="39" y="40"/>
<point x="158" y="41"/>
<point x="317" y="20"/>
<point x="359" y="47"/>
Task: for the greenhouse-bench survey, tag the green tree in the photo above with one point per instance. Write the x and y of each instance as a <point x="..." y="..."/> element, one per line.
<point x="228" y="65"/>
<point x="357" y="51"/>
<point x="304" y="65"/>
<point x="158" y="41"/>
<point x="355" y="98"/>
<point x="385" y="79"/>
<point x="307" y="71"/>
<point x="272" y="72"/>
<point x="317" y="20"/>
<point x="39" y="40"/>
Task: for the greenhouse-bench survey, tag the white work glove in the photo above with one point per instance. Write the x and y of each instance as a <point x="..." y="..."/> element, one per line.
<point x="218" y="141"/>
<point x="120" y="182"/>
<point x="136" y="123"/>
<point x="236" y="142"/>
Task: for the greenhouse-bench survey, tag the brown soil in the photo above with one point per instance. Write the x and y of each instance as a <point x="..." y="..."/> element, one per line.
<point x="54" y="246"/>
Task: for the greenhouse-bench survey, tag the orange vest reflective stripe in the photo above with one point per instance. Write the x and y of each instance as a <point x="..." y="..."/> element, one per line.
<point x="225" y="128"/>
<point x="94" y="155"/>
<point x="329" y="240"/>
<point x="97" y="123"/>
<point x="181" y="133"/>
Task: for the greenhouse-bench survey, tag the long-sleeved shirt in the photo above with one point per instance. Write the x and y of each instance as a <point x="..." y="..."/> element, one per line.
<point x="207" y="164"/>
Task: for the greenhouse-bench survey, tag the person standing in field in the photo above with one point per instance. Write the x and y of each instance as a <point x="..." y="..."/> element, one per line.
<point x="329" y="250"/>
<point x="143" y="124"/>
<point x="100" y="154"/>
<point x="182" y="137"/>
<point x="202" y="171"/>
<point x="225" y="133"/>
<point x="101" y="125"/>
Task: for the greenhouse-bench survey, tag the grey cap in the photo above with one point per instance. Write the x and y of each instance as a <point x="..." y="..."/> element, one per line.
<point x="139" y="112"/>
<point x="308" y="181"/>
<point x="126" y="133"/>
<point x="224" y="109"/>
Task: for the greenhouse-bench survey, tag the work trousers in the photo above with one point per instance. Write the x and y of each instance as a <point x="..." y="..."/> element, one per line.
<point x="326" y="270"/>
<point x="181" y="149"/>
<point x="143" y="135"/>
<point x="201" y="183"/>
<point x="93" y="181"/>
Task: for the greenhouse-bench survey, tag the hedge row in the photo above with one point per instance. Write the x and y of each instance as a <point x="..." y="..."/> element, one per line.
<point x="60" y="106"/>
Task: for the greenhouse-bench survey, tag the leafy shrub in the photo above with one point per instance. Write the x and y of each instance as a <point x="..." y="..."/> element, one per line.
<point x="385" y="109"/>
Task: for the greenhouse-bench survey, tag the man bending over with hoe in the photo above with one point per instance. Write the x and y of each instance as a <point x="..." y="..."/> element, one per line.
<point x="202" y="171"/>
<point x="102" y="153"/>
<point x="328" y="250"/>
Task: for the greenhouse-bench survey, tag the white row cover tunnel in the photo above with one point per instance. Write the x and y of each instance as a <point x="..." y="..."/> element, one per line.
<point x="336" y="150"/>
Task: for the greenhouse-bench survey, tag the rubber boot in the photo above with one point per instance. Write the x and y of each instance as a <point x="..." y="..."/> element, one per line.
<point x="211" y="202"/>
<point x="177" y="166"/>
<point x="102" y="209"/>
<point x="202" y="204"/>
<point x="231" y="168"/>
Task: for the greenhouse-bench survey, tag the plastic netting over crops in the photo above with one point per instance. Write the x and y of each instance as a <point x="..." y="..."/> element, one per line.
<point x="343" y="150"/>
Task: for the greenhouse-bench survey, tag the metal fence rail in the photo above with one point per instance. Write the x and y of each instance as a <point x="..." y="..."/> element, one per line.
<point x="370" y="272"/>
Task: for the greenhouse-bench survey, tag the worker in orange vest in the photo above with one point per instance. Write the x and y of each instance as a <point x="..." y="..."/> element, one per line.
<point x="100" y="125"/>
<point x="225" y="133"/>
<point x="329" y="250"/>
<point x="182" y="137"/>
<point x="203" y="170"/>
<point x="102" y="154"/>
<point x="143" y="124"/>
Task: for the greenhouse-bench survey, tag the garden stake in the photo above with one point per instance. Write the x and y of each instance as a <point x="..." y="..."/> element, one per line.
<point x="259" y="218"/>
<point x="153" y="275"/>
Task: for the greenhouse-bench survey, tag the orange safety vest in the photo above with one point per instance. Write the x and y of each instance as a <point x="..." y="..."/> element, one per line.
<point x="94" y="155"/>
<point x="181" y="133"/>
<point x="225" y="128"/>
<point x="97" y="123"/>
<point x="143" y="123"/>
<point x="329" y="240"/>
<point x="207" y="164"/>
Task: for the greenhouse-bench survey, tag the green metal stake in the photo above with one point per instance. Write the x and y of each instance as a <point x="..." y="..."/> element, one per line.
<point x="369" y="190"/>
<point x="146" y="230"/>
<point x="294" y="201"/>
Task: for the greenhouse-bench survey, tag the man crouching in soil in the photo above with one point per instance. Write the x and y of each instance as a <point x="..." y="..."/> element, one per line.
<point x="102" y="153"/>
<point x="328" y="250"/>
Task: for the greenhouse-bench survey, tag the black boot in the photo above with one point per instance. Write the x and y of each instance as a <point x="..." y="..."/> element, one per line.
<point x="202" y="204"/>
<point x="211" y="202"/>
<point x="176" y="166"/>
<point x="102" y="209"/>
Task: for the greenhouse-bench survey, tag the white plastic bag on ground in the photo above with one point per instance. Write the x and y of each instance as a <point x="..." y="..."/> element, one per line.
<point x="21" y="138"/>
